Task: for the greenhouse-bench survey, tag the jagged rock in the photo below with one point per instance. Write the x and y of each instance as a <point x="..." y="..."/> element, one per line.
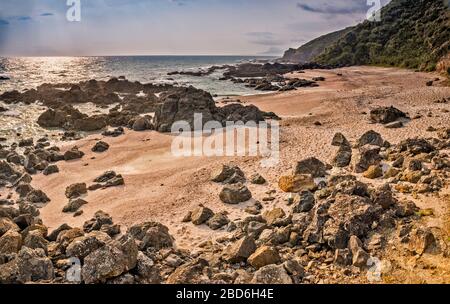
<point x="340" y="140"/>
<point x="235" y="194"/>
<point x="383" y="196"/>
<point x="23" y="189"/>
<point x="73" y="153"/>
<point x="54" y="234"/>
<point x="6" y="225"/>
<point x="201" y="215"/>
<point x="271" y="274"/>
<point x="257" y="179"/>
<point x="34" y="240"/>
<point x="33" y="265"/>
<point x="370" y="138"/>
<point x="76" y="190"/>
<point x="37" y="197"/>
<point x="108" y="175"/>
<point x="360" y="256"/>
<point x="240" y="251"/>
<point x="343" y="257"/>
<point x="152" y="234"/>
<point x="229" y="175"/>
<point x="65" y="237"/>
<point x="303" y="202"/>
<point x="368" y="155"/>
<point x="264" y="256"/>
<point x="272" y="216"/>
<point x="51" y="169"/>
<point x="104" y="263"/>
<point x="311" y="166"/>
<point x="110" y="229"/>
<point x="422" y="241"/>
<point x="190" y="273"/>
<point x="74" y="205"/>
<point x="406" y="208"/>
<point x="296" y="183"/>
<point x="386" y="115"/>
<point x="416" y="146"/>
<point x="218" y="221"/>
<point x="10" y="242"/>
<point x="100" y="147"/>
<point x="100" y="218"/>
<point x="146" y="270"/>
<point x="343" y="157"/>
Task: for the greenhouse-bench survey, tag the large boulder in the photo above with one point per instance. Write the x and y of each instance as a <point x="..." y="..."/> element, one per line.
<point x="33" y="266"/>
<point x="386" y="115"/>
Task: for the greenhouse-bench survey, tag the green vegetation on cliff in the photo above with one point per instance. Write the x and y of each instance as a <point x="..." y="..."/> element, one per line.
<point x="412" y="34"/>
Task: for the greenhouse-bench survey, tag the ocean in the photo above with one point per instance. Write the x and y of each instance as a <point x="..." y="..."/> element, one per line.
<point x="30" y="72"/>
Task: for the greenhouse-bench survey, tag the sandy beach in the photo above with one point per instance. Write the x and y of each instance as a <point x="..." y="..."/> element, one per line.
<point x="163" y="188"/>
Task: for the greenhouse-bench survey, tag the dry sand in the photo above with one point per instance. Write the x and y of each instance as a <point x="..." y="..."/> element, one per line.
<point x="160" y="187"/>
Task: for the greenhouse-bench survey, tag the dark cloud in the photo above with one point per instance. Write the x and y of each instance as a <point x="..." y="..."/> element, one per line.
<point x="23" y="18"/>
<point x="329" y="7"/>
<point x="3" y="22"/>
<point x="46" y="14"/>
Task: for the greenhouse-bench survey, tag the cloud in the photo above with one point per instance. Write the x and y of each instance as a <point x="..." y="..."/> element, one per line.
<point x="328" y="7"/>
<point x="23" y="18"/>
<point x="3" y="22"/>
<point x="264" y="38"/>
<point x="46" y="14"/>
<point x="179" y="2"/>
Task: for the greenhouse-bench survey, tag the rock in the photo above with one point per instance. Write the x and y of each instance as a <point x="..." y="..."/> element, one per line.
<point x="343" y="157"/>
<point x="383" y="196"/>
<point x="104" y="263"/>
<point x="65" y="237"/>
<point x="6" y="225"/>
<point x="146" y="270"/>
<point x="264" y="256"/>
<point x="72" y="154"/>
<point x="10" y="242"/>
<point x="54" y="234"/>
<point x="228" y="175"/>
<point x="340" y="140"/>
<point x="240" y="251"/>
<point x="110" y="229"/>
<point x="142" y="124"/>
<point x="100" y="147"/>
<point x="394" y="125"/>
<point x="368" y="155"/>
<point x="100" y="218"/>
<point x="201" y="215"/>
<point x="360" y="256"/>
<point x="218" y="221"/>
<point x="235" y="194"/>
<point x="23" y="189"/>
<point x="37" y="197"/>
<point x="271" y="274"/>
<point x="422" y="241"/>
<point x="34" y="266"/>
<point x="416" y="146"/>
<point x="386" y="115"/>
<point x="74" y="205"/>
<point x="370" y="138"/>
<point x="406" y="208"/>
<point x="311" y="166"/>
<point x="34" y="240"/>
<point x="89" y="124"/>
<point x="115" y="181"/>
<point x="152" y="234"/>
<point x="26" y="142"/>
<point x="51" y="169"/>
<point x="303" y="202"/>
<point x="108" y="175"/>
<point x="296" y="183"/>
<point x="272" y="216"/>
<point x="343" y="257"/>
<point x="373" y="172"/>
<point x="257" y="179"/>
<point x="190" y="273"/>
<point x="76" y="190"/>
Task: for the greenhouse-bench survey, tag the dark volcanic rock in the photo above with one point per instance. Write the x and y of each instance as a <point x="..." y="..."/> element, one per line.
<point x="386" y="115"/>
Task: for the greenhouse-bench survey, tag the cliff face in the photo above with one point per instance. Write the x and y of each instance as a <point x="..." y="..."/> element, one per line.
<point x="310" y="50"/>
<point x="412" y="34"/>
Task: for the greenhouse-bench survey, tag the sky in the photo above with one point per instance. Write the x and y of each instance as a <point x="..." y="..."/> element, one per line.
<point x="171" y="27"/>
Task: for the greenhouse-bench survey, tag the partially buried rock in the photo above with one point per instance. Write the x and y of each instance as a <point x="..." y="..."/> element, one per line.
<point x="51" y="169"/>
<point x="228" y="175"/>
<point x="201" y="215"/>
<point x="311" y="166"/>
<point x="218" y="221"/>
<point x="271" y="274"/>
<point x="296" y="183"/>
<point x="37" y="197"/>
<point x="73" y="153"/>
<point x="386" y="115"/>
<point x="235" y="194"/>
<point x="371" y="138"/>
<point x="257" y="179"/>
<point x="100" y="147"/>
<point x="76" y="190"/>
<point x="74" y="205"/>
